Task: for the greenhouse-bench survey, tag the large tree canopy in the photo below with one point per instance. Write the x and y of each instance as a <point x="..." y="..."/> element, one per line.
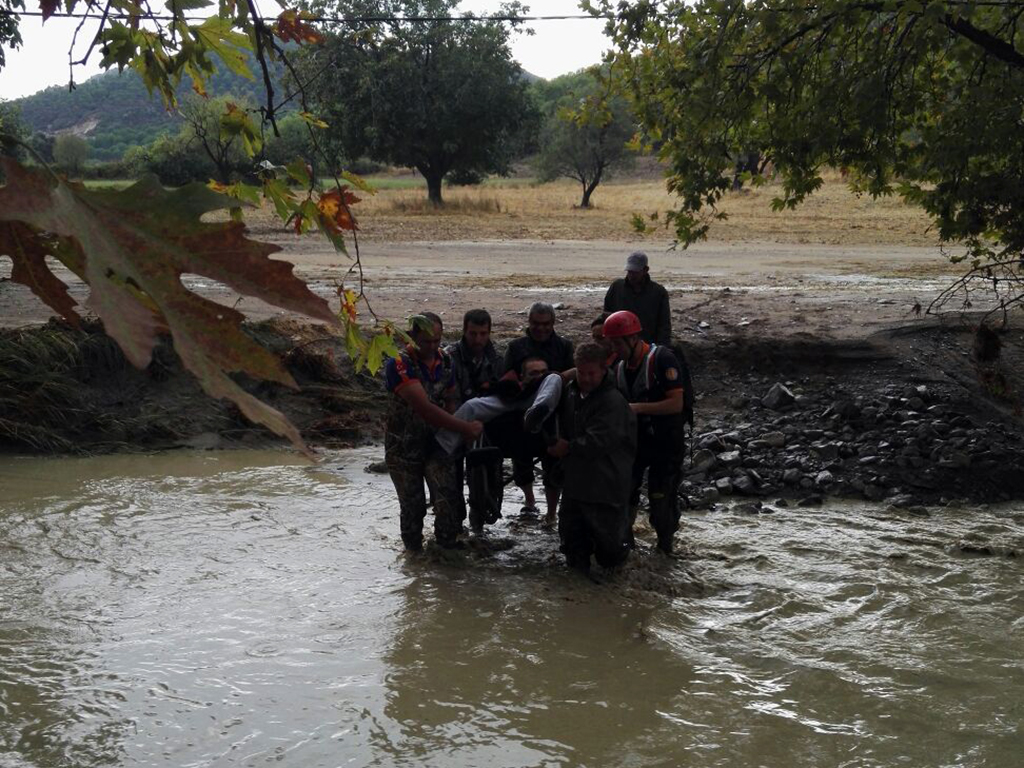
<point x="442" y="97"/>
<point x="920" y="99"/>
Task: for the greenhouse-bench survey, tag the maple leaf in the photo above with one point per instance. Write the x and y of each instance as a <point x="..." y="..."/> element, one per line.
<point x="334" y="210"/>
<point x="132" y="246"/>
<point x="291" y="27"/>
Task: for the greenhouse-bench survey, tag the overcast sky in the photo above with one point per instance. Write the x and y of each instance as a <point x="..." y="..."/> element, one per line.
<point x="556" y="48"/>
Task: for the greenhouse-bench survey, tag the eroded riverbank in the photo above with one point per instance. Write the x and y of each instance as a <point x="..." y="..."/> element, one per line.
<point x="234" y="608"/>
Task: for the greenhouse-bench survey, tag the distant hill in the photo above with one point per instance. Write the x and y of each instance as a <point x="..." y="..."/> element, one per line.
<point x="113" y="111"/>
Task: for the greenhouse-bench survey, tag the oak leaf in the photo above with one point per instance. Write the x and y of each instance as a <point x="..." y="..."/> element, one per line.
<point x="28" y="251"/>
<point x="132" y="247"/>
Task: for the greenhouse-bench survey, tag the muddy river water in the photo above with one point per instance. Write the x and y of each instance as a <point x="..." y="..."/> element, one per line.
<point x="248" y="609"/>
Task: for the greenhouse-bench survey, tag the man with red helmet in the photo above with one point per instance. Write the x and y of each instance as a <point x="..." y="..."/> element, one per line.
<point x="651" y="378"/>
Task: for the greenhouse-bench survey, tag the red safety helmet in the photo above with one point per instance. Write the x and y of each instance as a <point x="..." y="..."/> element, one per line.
<point x="620" y="324"/>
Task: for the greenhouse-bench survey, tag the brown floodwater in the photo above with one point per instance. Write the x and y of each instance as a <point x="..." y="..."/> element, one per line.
<point x="248" y="609"/>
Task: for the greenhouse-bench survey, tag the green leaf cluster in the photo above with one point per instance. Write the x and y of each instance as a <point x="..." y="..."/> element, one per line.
<point x="444" y="97"/>
<point x="924" y="100"/>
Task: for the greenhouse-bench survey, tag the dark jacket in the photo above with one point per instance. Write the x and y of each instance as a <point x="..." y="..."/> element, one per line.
<point x="475" y="378"/>
<point x="601" y="430"/>
<point x="556" y="351"/>
<point x="650" y="304"/>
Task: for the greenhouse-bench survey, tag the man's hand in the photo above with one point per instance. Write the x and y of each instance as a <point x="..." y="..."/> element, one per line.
<point x="559" y="448"/>
<point x="473" y="430"/>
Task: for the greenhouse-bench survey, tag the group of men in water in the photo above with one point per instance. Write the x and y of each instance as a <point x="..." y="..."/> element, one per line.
<point x="599" y="417"/>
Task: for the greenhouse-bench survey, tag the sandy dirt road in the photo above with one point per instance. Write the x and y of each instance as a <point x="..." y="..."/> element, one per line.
<point x="744" y="287"/>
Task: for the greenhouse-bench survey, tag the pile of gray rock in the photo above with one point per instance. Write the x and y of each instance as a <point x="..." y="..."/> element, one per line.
<point x="905" y="443"/>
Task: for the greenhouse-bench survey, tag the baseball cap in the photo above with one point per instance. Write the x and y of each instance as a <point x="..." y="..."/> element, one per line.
<point x="637" y="262"/>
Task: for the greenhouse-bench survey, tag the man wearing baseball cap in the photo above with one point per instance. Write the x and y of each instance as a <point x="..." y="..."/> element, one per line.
<point x="646" y="299"/>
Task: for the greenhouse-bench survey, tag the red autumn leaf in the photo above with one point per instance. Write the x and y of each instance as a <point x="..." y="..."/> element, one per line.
<point x="334" y="209"/>
<point x="290" y="27"/>
<point x="133" y="246"/>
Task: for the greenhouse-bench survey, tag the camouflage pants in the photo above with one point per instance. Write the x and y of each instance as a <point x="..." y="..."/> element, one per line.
<point x="441" y="474"/>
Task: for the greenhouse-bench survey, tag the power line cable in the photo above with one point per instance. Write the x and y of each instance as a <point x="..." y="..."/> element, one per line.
<point x="313" y="19"/>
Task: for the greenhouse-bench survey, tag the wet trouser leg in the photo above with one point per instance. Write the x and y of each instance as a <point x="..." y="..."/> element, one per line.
<point x="407" y="475"/>
<point x="598" y="529"/>
<point x="608" y="527"/>
<point x="663" y="465"/>
<point x="574" y="535"/>
<point x="640" y="464"/>
<point x="663" y="480"/>
<point x="442" y="475"/>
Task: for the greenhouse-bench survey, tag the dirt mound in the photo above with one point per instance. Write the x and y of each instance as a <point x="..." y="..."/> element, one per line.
<point x="71" y="390"/>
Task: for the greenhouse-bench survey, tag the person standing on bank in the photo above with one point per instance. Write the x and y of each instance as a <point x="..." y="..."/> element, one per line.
<point x="597" y="450"/>
<point x="651" y="378"/>
<point x="646" y="299"/>
<point x="422" y="390"/>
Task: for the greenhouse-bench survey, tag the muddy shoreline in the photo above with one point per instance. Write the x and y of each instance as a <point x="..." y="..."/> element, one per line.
<point x="911" y="415"/>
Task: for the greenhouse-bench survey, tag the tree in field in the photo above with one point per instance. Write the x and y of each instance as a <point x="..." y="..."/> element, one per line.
<point x="585" y="135"/>
<point x="442" y="97"/>
<point x="203" y="131"/>
<point x="921" y="99"/>
<point x="70" y="153"/>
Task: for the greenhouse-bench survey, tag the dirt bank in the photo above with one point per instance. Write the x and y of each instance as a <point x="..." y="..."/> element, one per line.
<point x="909" y="413"/>
<point x="834" y="323"/>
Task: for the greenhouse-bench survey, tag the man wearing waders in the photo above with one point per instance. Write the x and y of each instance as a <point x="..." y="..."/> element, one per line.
<point x="597" y="449"/>
<point x="422" y="386"/>
<point x="651" y="378"/>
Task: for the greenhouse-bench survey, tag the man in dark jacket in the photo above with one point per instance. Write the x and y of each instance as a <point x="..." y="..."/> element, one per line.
<point x="643" y="297"/>
<point x="476" y="363"/>
<point x="597" y="450"/>
<point x="540" y="341"/>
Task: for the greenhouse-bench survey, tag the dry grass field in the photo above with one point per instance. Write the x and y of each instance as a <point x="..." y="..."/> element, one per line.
<point x="514" y="210"/>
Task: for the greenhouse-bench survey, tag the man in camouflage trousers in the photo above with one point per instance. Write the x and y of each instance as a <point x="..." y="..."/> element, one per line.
<point x="422" y="394"/>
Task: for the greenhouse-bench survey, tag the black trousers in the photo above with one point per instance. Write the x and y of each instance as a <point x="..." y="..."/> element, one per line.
<point x="587" y="529"/>
<point x="662" y="461"/>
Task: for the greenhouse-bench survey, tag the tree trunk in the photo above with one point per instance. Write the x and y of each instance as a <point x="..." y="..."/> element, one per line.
<point x="434" y="180"/>
<point x="588" y="190"/>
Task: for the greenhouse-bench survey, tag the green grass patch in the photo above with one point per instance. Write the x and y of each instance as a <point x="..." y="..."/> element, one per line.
<point x="108" y="183"/>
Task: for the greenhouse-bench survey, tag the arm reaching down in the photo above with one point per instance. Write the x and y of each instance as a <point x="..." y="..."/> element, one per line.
<point x="416" y="396"/>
